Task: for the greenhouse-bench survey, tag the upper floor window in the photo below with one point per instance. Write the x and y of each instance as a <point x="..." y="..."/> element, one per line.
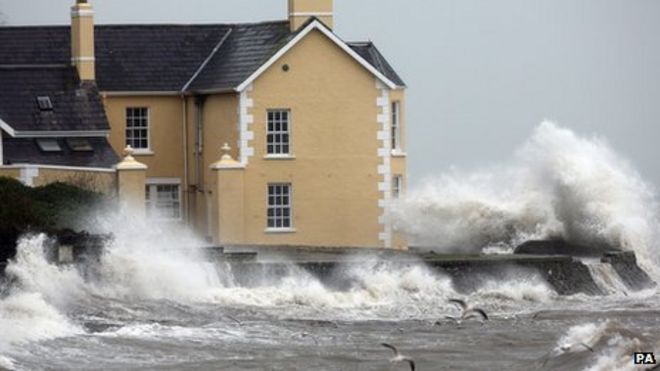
<point x="137" y="127"/>
<point x="163" y="201"/>
<point x="396" y="125"/>
<point x="278" y="133"/>
<point x="279" y="206"/>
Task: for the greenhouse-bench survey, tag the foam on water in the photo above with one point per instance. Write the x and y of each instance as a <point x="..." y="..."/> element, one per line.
<point x="557" y="185"/>
<point x="6" y="363"/>
<point x="30" y="312"/>
<point x="28" y="317"/>
<point x="613" y="345"/>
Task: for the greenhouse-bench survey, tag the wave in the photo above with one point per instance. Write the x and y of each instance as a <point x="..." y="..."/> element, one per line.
<point x="27" y="317"/>
<point x="558" y="185"/>
<point x="598" y="347"/>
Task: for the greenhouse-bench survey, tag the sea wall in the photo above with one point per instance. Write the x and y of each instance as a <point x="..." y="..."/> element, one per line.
<point x="568" y="275"/>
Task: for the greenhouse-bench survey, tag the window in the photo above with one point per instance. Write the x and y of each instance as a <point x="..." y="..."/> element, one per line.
<point x="163" y="201"/>
<point x="396" y="125"/>
<point x="137" y="127"/>
<point x="397" y="186"/>
<point x="79" y="145"/>
<point x="45" y="103"/>
<point x="279" y="206"/>
<point x="278" y="133"/>
<point x="49" y="145"/>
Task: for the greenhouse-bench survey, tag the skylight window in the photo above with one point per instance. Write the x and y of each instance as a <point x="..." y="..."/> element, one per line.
<point x="79" y="144"/>
<point x="49" y="145"/>
<point x="44" y="103"/>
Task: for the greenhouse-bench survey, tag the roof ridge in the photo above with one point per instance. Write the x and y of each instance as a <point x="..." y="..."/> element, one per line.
<point x="146" y="25"/>
<point x="208" y="59"/>
<point x="33" y="66"/>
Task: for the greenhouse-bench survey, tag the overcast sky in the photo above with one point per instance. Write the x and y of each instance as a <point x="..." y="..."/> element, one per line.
<point x="481" y="74"/>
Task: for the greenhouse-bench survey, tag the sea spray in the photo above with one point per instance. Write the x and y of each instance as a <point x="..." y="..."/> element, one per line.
<point x="28" y="317"/>
<point x="611" y="343"/>
<point x="558" y="185"/>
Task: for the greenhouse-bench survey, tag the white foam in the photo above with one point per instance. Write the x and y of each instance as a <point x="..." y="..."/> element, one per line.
<point x="557" y="185"/>
<point x="28" y="317"/>
<point x="613" y="345"/>
<point x="6" y="363"/>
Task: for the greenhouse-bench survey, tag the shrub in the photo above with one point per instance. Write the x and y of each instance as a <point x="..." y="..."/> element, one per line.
<point x="40" y="209"/>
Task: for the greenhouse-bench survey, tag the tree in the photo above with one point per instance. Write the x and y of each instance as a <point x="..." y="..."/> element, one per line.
<point x="3" y="19"/>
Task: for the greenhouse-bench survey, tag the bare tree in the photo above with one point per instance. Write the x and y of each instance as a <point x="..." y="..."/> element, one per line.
<point x="3" y="19"/>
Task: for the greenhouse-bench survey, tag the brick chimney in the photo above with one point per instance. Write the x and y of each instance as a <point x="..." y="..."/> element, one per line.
<point x="82" y="40"/>
<point x="301" y="10"/>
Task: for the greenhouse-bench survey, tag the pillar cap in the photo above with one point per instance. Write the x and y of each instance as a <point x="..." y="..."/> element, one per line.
<point x="226" y="161"/>
<point x="129" y="162"/>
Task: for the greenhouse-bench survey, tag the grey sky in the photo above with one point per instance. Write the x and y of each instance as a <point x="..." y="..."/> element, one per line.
<point x="481" y="74"/>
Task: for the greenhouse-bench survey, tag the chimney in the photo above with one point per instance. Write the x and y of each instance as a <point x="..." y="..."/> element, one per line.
<point x="82" y="40"/>
<point x="301" y="10"/>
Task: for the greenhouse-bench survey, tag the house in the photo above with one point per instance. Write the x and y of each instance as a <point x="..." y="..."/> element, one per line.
<point x="310" y="128"/>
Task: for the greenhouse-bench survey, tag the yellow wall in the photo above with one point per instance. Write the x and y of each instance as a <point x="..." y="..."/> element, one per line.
<point x="398" y="162"/>
<point x="10" y="173"/>
<point x="91" y="180"/>
<point x="333" y="123"/>
<point x="98" y="181"/>
<point x="219" y="126"/>
<point x="165" y="131"/>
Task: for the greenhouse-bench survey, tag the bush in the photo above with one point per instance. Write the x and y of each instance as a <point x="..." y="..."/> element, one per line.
<point x="40" y="209"/>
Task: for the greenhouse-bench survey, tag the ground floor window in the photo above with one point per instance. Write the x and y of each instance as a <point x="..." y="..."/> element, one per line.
<point x="163" y="201"/>
<point x="397" y="186"/>
<point x="279" y="206"/>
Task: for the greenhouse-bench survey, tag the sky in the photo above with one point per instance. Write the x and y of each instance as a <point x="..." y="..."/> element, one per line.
<point x="481" y="74"/>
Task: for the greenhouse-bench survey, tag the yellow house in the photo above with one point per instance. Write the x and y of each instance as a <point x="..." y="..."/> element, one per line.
<point x="274" y="133"/>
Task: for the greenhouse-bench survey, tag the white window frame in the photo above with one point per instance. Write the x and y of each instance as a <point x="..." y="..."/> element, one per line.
<point x="150" y="202"/>
<point x="138" y="150"/>
<point x="397" y="186"/>
<point x="396" y="126"/>
<point x="274" y="155"/>
<point x="274" y="228"/>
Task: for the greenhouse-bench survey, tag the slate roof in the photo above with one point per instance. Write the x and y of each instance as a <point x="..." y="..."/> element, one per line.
<point x="26" y="151"/>
<point x="246" y="48"/>
<point x="371" y="54"/>
<point x="166" y="57"/>
<point x="76" y="106"/>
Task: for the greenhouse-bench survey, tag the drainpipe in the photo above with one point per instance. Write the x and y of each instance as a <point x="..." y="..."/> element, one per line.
<point x="199" y="141"/>
<point x="184" y="133"/>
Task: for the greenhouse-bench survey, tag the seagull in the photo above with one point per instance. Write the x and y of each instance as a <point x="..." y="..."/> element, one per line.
<point x="469" y="311"/>
<point x="398" y="357"/>
<point x="234" y="319"/>
<point x="567" y="347"/>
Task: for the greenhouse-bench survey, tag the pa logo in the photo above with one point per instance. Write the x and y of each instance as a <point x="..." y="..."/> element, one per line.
<point x="644" y="358"/>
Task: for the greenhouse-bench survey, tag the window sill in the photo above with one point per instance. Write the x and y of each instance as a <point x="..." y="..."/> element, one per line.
<point x="398" y="153"/>
<point x="279" y="157"/>
<point x="279" y="230"/>
<point x="143" y="152"/>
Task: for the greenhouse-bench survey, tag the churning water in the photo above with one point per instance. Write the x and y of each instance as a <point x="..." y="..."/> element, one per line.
<point x="150" y="303"/>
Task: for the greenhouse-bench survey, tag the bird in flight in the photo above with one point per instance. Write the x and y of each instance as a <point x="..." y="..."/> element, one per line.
<point x="568" y="347"/>
<point x="468" y="311"/>
<point x="398" y="357"/>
